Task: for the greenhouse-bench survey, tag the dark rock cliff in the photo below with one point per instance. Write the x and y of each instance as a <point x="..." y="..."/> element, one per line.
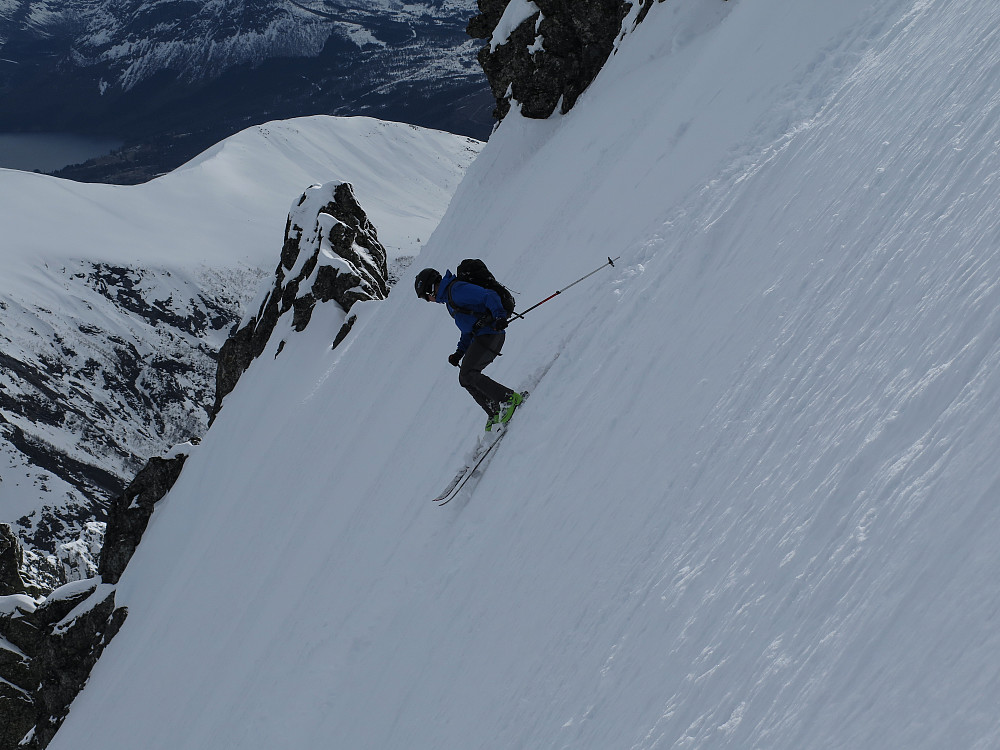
<point x="544" y="54"/>
<point x="11" y="560"/>
<point x="48" y="646"/>
<point x="130" y="513"/>
<point x="47" y="650"/>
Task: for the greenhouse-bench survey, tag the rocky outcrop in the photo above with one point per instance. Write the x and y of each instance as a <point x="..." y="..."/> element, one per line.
<point x="130" y="513"/>
<point x="544" y="53"/>
<point x="48" y="646"/>
<point x="11" y="560"/>
<point x="331" y="253"/>
<point x="46" y="653"/>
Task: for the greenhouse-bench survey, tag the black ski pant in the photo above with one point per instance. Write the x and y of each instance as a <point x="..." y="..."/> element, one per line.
<point x="488" y="393"/>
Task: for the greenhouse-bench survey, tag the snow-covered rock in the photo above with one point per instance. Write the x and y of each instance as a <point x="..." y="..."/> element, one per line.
<point x="542" y="54"/>
<point x="331" y="252"/>
<point x="47" y="650"/>
<point x="78" y="557"/>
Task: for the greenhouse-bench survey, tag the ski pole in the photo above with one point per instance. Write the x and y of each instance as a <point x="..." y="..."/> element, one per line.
<point x="611" y="262"/>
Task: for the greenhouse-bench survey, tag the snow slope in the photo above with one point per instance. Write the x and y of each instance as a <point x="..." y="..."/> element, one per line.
<point x="752" y="502"/>
<point x="233" y="198"/>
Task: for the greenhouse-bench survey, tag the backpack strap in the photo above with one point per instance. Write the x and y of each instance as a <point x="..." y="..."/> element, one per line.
<point x="484" y="318"/>
<point x="452" y="307"/>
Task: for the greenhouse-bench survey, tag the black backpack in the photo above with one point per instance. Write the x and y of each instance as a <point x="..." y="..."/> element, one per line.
<point x="474" y="271"/>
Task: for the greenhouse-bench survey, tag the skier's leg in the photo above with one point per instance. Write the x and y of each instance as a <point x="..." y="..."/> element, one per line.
<point x="488" y="393"/>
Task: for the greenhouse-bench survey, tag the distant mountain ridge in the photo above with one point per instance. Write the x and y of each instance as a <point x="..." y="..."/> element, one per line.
<point x="172" y="78"/>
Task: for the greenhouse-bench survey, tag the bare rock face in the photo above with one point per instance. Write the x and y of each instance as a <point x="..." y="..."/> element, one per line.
<point x="11" y="560"/>
<point x="544" y="53"/>
<point x="130" y="513"/>
<point x="331" y="253"/>
<point x="49" y="645"/>
<point x="47" y="650"/>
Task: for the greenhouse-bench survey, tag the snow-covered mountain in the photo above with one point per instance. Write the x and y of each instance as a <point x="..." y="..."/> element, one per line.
<point x="116" y="300"/>
<point x="752" y="500"/>
<point x="171" y="76"/>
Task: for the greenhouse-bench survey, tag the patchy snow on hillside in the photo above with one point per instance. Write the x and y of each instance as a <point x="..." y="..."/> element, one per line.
<point x="752" y="500"/>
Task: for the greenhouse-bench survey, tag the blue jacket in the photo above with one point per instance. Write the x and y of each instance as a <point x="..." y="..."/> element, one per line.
<point x="475" y="298"/>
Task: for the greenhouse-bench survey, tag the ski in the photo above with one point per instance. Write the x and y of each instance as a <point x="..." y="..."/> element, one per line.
<point x="465" y="473"/>
<point x="483" y="449"/>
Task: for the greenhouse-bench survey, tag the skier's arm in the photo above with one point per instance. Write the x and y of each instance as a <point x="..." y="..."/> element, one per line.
<point x="480" y="298"/>
<point x="492" y="303"/>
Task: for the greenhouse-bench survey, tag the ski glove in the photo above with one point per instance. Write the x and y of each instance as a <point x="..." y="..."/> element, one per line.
<point x="456" y="358"/>
<point x="500" y="324"/>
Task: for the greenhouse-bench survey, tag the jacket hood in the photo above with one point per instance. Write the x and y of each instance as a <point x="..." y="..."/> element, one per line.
<point x="442" y="292"/>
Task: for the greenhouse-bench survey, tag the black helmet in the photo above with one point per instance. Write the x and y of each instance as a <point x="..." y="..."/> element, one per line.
<point x="425" y="282"/>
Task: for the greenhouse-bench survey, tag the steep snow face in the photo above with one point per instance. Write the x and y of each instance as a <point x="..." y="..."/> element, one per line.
<point x="752" y="501"/>
<point x="115" y="300"/>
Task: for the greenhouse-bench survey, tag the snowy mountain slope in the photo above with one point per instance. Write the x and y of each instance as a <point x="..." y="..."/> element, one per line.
<point x="116" y="299"/>
<point x="752" y="500"/>
<point x="200" y="40"/>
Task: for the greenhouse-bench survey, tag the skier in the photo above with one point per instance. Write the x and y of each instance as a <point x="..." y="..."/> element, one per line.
<point x="482" y="318"/>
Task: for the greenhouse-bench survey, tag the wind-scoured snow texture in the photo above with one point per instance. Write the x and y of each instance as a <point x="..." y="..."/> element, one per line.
<point x="751" y="504"/>
<point x="115" y="300"/>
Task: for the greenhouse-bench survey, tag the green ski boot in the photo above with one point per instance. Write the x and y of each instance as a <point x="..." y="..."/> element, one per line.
<point x="509" y="406"/>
